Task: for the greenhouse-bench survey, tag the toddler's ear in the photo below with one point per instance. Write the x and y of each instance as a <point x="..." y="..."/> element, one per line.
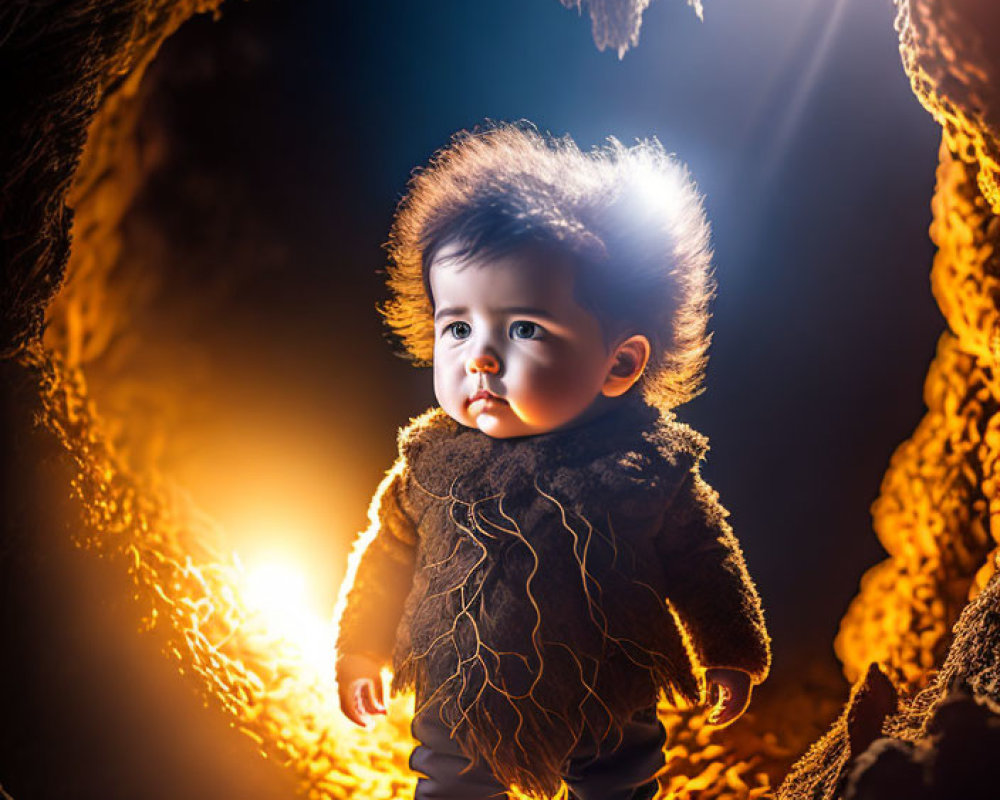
<point x="630" y="359"/>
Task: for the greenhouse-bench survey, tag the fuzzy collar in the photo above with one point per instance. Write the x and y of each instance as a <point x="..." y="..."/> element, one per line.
<point x="631" y="450"/>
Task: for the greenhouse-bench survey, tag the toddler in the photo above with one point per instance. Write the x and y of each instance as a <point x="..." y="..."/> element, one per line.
<point x="544" y="557"/>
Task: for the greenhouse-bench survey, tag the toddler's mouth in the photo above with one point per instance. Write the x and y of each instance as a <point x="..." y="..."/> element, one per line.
<point x="484" y="396"/>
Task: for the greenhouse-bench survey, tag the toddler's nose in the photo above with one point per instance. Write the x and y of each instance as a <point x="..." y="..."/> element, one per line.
<point x="482" y="363"/>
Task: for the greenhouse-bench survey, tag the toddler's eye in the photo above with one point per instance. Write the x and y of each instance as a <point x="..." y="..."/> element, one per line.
<point x="522" y="329"/>
<point x="459" y="329"/>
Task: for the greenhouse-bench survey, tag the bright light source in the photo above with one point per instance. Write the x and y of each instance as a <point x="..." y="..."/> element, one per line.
<point x="278" y="593"/>
<point x="659" y="191"/>
<point x="277" y="590"/>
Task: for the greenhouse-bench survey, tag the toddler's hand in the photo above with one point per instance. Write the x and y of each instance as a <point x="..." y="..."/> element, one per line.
<point x="359" y="682"/>
<point x="728" y="692"/>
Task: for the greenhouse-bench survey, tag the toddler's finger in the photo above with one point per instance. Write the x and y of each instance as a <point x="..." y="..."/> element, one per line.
<point x="723" y="714"/>
<point x="721" y="710"/>
<point x="367" y="699"/>
<point x="350" y="706"/>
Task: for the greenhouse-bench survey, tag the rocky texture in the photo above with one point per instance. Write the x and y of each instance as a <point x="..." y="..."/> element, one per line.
<point x="61" y="63"/>
<point x="948" y="49"/>
<point x="938" y="509"/>
<point x="616" y="24"/>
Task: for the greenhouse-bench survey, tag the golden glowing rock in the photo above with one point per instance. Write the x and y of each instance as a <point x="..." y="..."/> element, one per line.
<point x="949" y="52"/>
<point x="936" y="513"/>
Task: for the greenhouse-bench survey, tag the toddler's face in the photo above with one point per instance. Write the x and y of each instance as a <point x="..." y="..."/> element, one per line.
<point x="515" y="354"/>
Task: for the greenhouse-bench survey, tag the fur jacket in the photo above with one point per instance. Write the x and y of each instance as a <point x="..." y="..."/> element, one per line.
<point x="544" y="588"/>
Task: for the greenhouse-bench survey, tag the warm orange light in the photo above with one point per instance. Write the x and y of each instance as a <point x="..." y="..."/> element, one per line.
<point x="275" y="593"/>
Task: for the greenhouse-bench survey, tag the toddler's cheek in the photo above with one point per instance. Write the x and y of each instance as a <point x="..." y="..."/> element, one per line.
<point x="560" y="395"/>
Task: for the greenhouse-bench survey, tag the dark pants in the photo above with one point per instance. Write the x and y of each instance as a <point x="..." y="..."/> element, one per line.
<point x="592" y="772"/>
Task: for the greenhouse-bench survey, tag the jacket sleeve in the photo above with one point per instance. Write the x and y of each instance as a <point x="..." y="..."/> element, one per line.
<point x="708" y="586"/>
<point x="379" y="574"/>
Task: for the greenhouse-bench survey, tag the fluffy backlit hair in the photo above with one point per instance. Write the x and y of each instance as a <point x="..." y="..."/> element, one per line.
<point x="630" y="218"/>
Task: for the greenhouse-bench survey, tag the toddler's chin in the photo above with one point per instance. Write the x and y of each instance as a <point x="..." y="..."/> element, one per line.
<point x="505" y="426"/>
<point x="486" y="423"/>
<point x="492" y="426"/>
<point x="499" y="426"/>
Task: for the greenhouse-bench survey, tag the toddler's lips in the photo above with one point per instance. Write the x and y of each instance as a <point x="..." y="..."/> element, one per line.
<point x="484" y="396"/>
